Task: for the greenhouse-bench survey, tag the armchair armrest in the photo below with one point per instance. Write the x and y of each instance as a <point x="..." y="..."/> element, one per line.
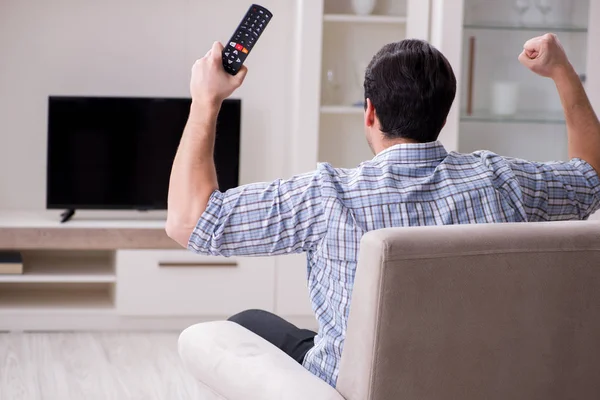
<point x="239" y="365"/>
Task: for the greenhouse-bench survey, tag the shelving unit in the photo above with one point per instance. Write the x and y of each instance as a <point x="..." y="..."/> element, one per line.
<point x="348" y="42"/>
<point x="87" y="298"/>
<point x="330" y="60"/>
<point x="65" y="267"/>
<point x="69" y="277"/>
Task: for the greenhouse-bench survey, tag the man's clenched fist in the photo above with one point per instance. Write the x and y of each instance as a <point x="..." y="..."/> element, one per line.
<point x="544" y="55"/>
<point x="210" y="84"/>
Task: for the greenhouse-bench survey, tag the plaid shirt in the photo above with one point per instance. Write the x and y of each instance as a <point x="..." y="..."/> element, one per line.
<point x="325" y="213"/>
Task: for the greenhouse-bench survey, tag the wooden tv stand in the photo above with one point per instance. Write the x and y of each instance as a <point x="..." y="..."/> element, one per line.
<point x="127" y="274"/>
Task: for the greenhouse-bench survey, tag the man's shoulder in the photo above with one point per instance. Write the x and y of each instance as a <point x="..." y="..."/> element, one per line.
<point x="327" y="170"/>
<point x="477" y="155"/>
<point x="486" y="158"/>
<point x="371" y="168"/>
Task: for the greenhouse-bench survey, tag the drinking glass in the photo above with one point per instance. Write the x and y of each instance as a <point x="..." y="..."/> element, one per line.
<point x="331" y="93"/>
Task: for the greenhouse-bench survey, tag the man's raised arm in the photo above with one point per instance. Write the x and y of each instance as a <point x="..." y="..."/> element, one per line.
<point x="193" y="176"/>
<point x="545" y="56"/>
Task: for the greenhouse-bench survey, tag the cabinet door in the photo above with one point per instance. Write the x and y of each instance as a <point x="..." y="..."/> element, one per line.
<point x="181" y="283"/>
<point x="502" y="106"/>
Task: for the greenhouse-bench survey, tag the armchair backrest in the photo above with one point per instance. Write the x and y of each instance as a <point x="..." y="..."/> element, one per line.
<point x="482" y="311"/>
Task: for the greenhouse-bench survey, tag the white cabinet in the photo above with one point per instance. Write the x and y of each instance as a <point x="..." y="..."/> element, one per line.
<point x="482" y="39"/>
<point x="181" y="283"/>
<point x="331" y="43"/>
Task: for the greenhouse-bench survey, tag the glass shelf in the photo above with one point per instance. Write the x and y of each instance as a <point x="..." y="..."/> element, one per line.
<point x="342" y="110"/>
<point x="369" y="19"/>
<point x="524" y="28"/>
<point x="556" y="118"/>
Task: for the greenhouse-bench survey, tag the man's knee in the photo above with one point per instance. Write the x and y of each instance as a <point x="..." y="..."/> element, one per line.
<point x="247" y="318"/>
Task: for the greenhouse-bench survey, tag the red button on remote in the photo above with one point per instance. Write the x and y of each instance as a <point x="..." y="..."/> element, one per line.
<point x="239" y="46"/>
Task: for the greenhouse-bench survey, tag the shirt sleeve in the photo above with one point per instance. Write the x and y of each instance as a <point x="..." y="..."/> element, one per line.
<point x="260" y="219"/>
<point x="557" y="190"/>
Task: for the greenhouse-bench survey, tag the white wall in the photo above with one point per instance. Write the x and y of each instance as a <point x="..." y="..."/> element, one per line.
<point x="130" y="48"/>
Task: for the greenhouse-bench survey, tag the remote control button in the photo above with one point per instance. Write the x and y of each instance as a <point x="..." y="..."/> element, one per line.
<point x="238" y="60"/>
<point x="239" y="46"/>
<point x="236" y="52"/>
<point x="245" y="50"/>
<point x="232" y="44"/>
<point x="226" y="54"/>
<point x="230" y="61"/>
<point x="255" y="34"/>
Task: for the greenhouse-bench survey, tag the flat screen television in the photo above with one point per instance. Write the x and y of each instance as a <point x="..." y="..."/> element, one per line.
<point x="111" y="153"/>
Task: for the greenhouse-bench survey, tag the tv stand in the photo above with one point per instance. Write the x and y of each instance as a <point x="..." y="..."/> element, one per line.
<point x="97" y="274"/>
<point x="67" y="215"/>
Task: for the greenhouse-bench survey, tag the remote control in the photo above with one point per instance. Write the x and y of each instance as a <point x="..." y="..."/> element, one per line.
<point x="245" y="37"/>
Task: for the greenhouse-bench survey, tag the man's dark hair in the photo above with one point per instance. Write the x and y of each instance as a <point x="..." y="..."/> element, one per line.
<point x="412" y="86"/>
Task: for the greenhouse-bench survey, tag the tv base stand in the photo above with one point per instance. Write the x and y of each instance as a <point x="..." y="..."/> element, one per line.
<point x="67" y="215"/>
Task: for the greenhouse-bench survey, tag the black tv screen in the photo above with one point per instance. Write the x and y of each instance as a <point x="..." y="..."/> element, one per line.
<point x="117" y="153"/>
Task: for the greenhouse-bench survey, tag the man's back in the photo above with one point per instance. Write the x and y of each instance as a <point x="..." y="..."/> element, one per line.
<point x="416" y="185"/>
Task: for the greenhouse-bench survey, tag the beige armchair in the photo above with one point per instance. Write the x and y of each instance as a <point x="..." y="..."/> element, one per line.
<point x="490" y="311"/>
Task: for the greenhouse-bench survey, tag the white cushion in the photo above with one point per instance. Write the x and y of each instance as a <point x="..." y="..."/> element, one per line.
<point x="237" y="364"/>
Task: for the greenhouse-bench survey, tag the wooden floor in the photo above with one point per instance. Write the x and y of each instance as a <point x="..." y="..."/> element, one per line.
<point x="78" y="366"/>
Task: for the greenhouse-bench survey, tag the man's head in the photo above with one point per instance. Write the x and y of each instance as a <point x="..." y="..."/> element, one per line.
<point x="409" y="89"/>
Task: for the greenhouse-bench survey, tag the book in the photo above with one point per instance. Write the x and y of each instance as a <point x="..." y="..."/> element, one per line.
<point x="11" y="262"/>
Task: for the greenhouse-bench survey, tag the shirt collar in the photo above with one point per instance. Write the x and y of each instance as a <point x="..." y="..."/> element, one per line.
<point x="413" y="153"/>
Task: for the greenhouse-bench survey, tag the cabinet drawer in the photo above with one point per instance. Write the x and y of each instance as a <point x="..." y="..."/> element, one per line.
<point x="181" y="283"/>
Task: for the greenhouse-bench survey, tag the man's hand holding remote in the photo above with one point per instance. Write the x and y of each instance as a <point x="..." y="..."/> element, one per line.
<point x="545" y="56"/>
<point x="210" y="84"/>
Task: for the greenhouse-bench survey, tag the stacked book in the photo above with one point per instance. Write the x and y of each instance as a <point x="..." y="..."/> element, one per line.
<point x="11" y="262"/>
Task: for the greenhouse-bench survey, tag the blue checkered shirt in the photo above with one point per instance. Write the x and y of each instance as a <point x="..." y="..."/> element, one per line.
<point x="325" y="213"/>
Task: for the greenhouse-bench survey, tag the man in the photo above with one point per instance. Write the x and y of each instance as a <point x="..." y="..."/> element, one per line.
<point x="412" y="180"/>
